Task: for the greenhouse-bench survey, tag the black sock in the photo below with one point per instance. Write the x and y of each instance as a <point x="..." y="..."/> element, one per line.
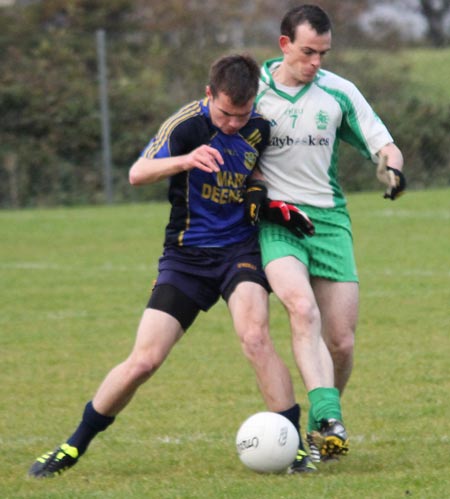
<point x="293" y="414"/>
<point x="92" y="423"/>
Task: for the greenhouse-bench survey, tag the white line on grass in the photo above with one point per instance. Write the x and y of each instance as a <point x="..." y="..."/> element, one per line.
<point x="408" y="272"/>
<point x="66" y="314"/>
<point x="107" y="267"/>
<point x="110" y="267"/>
<point x="202" y="437"/>
<point x="416" y="214"/>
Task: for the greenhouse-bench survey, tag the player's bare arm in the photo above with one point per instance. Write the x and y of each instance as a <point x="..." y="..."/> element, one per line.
<point x="393" y="155"/>
<point x="149" y="171"/>
<point x="389" y="170"/>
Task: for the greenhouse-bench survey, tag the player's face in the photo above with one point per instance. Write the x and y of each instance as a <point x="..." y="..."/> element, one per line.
<point x="303" y="57"/>
<point x="225" y="115"/>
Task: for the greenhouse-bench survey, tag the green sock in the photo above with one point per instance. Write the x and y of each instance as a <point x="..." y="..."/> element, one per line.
<point x="324" y="404"/>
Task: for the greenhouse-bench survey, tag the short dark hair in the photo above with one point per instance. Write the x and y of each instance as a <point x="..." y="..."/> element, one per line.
<point x="306" y="13"/>
<point x="236" y="76"/>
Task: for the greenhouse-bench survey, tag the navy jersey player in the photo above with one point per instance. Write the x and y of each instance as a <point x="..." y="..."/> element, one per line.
<point x="206" y="203"/>
<point x="206" y="150"/>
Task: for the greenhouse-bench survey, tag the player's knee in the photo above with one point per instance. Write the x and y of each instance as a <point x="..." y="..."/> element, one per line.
<point x="347" y="344"/>
<point x="343" y="344"/>
<point x="303" y="309"/>
<point x="141" y="369"/>
<point x="256" y="343"/>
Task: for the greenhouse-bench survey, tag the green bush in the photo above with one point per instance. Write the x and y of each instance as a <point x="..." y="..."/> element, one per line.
<point x="419" y="125"/>
<point x="50" y="133"/>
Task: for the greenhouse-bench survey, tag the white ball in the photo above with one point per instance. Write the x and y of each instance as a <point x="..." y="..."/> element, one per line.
<point x="267" y="442"/>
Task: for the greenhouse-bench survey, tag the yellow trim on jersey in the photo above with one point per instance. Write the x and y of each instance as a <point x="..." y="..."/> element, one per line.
<point x="254" y="138"/>
<point x="188" y="214"/>
<point x="168" y="126"/>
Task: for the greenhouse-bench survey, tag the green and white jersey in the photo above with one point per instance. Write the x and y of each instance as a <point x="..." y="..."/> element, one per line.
<point x="300" y="164"/>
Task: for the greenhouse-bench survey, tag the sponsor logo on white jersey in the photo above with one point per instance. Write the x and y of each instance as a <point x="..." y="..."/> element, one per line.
<point x="307" y="140"/>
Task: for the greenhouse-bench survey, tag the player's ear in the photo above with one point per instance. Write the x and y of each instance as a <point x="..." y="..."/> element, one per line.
<point x="208" y="92"/>
<point x="284" y="42"/>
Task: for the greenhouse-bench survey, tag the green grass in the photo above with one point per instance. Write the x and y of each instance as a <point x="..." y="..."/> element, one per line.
<point x="430" y="72"/>
<point x="73" y="285"/>
<point x="427" y="69"/>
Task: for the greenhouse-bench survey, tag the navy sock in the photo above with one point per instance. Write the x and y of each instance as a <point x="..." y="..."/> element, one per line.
<point x="92" y="423"/>
<point x="293" y="414"/>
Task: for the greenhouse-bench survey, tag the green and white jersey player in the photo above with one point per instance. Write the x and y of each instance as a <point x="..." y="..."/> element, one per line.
<point x="311" y="110"/>
<point x="308" y="121"/>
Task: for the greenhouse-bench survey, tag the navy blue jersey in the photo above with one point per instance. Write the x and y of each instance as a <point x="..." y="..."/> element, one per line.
<point x="207" y="208"/>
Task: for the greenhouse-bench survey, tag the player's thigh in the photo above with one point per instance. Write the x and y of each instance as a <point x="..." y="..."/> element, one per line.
<point x="157" y="333"/>
<point x="249" y="307"/>
<point x="289" y="280"/>
<point x="338" y="303"/>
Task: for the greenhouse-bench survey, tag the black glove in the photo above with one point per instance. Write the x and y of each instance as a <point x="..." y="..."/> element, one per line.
<point x="289" y="216"/>
<point x="393" y="192"/>
<point x="255" y="198"/>
<point x="393" y="179"/>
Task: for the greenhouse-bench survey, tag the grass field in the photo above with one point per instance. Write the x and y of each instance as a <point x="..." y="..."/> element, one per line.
<point x="73" y="285"/>
<point x="428" y="71"/>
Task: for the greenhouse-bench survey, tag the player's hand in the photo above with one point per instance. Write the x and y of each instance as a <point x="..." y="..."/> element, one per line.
<point x="397" y="184"/>
<point x="255" y="198"/>
<point x="289" y="216"/>
<point x="204" y="158"/>
<point x="393" y="179"/>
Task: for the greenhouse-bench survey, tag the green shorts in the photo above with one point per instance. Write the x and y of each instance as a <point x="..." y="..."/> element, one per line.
<point x="328" y="254"/>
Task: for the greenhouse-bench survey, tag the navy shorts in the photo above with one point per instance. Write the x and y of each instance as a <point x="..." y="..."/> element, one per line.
<point x="202" y="275"/>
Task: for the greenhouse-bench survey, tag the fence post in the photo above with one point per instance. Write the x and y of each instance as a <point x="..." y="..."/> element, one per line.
<point x="104" y="108"/>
